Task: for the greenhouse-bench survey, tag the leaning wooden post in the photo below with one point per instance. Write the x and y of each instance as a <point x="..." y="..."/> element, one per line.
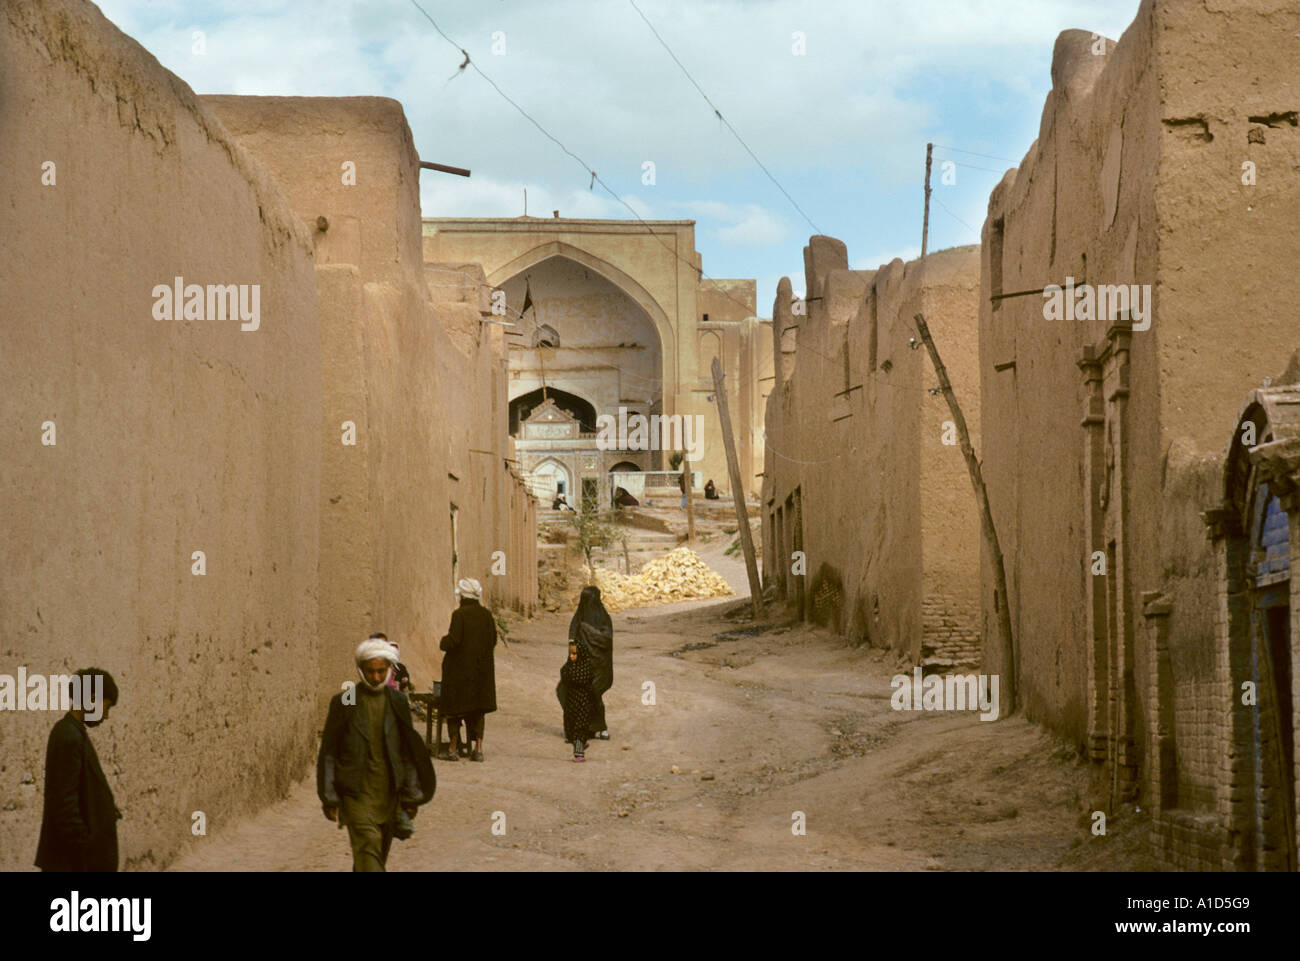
<point x="986" y="518"/>
<point x="690" y="501"/>
<point x="738" y="492"/>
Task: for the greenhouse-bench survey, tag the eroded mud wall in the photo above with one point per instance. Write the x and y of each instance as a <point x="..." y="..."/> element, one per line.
<point x="856" y="460"/>
<point x="170" y="437"/>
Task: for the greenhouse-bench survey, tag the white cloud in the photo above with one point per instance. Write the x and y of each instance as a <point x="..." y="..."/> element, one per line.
<point x="879" y="259"/>
<point x="842" y="128"/>
<point x="595" y="76"/>
<point x="742" y="225"/>
<point x="444" y="195"/>
<point x="757" y="228"/>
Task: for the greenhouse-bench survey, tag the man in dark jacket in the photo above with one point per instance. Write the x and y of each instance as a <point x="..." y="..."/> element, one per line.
<point x="79" y="824"/>
<point x="469" y="687"/>
<point x="372" y="768"/>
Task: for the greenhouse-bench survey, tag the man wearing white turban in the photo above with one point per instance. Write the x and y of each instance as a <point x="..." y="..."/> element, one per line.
<point x="372" y="762"/>
<point x="468" y="672"/>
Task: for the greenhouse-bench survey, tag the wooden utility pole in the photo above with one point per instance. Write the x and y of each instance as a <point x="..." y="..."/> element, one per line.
<point x="976" y="475"/>
<point x="737" y="492"/>
<point x="690" y="501"/>
<point x="925" y="225"/>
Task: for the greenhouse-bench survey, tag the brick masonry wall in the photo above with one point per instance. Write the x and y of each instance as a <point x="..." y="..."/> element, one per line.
<point x="950" y="631"/>
<point x="1188" y="842"/>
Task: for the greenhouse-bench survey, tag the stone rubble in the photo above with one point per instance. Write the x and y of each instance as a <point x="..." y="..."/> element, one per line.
<point x="677" y="576"/>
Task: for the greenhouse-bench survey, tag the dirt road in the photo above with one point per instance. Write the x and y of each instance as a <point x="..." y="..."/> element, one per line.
<point x="760" y="726"/>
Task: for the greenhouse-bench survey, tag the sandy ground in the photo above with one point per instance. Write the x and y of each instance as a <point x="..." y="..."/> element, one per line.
<point x="761" y="725"/>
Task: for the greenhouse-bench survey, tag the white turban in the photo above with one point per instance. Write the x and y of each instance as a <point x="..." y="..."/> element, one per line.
<point x="375" y="648"/>
<point x="468" y="587"/>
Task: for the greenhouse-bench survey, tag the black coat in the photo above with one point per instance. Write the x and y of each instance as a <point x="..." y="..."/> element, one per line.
<point x="79" y="826"/>
<point x="469" y="680"/>
<point x="341" y="763"/>
<point x="592" y="628"/>
<point x="600" y="648"/>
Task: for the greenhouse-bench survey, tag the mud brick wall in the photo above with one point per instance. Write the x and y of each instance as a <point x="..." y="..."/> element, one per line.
<point x="410" y="363"/>
<point x="172" y="436"/>
<point x="1138" y="176"/>
<point x="856" y="458"/>
<point x="950" y="634"/>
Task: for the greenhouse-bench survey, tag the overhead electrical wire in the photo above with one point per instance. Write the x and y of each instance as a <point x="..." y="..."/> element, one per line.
<point x="725" y="121"/>
<point x="596" y="179"/>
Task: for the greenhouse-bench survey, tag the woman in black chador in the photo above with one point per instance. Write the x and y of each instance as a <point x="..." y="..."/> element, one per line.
<point x="588" y="672"/>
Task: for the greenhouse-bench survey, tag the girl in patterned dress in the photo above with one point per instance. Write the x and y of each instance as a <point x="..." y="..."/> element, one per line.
<point x="576" y="675"/>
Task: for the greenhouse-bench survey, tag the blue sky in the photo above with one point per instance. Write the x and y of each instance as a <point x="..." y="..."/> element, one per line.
<point x="842" y="125"/>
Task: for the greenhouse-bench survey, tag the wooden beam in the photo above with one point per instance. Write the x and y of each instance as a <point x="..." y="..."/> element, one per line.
<point x="986" y="521"/>
<point x="444" y="168"/>
<point x="976" y="474"/>
<point x="738" y="492"/>
<point x="690" y="501"/>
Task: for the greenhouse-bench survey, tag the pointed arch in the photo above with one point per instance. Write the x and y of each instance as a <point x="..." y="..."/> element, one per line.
<point x="623" y="281"/>
<point x="554" y="477"/>
<point x="1254" y="532"/>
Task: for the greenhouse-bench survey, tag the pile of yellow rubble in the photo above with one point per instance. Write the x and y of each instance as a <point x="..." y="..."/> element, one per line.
<point x="677" y="576"/>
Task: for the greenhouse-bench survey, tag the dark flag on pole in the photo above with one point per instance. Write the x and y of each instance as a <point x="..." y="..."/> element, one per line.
<point x="537" y="342"/>
<point x="528" y="299"/>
